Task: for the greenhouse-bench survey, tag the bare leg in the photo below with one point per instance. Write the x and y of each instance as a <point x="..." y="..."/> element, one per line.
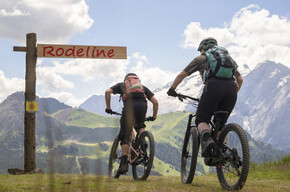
<point x="123" y="168"/>
<point x="203" y="126"/>
<point x="141" y="131"/>
<point x="125" y="149"/>
<point x="207" y="142"/>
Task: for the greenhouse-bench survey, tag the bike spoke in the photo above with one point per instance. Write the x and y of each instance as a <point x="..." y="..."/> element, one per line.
<point x="189" y="156"/>
<point x="229" y="170"/>
<point x="233" y="172"/>
<point x="142" y="166"/>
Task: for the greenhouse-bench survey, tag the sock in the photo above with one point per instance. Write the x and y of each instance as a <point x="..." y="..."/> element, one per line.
<point x="125" y="159"/>
<point x="205" y="135"/>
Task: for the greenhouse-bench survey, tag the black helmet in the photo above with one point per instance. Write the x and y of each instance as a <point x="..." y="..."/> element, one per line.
<point x="207" y="43"/>
<point x="129" y="74"/>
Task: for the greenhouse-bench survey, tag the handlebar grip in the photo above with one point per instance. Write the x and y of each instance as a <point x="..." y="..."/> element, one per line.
<point x="149" y="119"/>
<point x="181" y="97"/>
<point x="115" y="113"/>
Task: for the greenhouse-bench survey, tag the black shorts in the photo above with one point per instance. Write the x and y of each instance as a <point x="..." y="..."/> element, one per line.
<point x="218" y="95"/>
<point x="133" y="113"/>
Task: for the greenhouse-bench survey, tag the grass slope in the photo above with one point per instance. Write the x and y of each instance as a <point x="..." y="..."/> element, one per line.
<point x="83" y="118"/>
<point x="168" y="130"/>
<point x="267" y="177"/>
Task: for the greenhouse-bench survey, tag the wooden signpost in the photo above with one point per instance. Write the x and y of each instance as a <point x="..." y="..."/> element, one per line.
<point x="33" y="51"/>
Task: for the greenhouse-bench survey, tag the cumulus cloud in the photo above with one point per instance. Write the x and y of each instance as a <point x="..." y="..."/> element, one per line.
<point x="51" y="81"/>
<point x="252" y="36"/>
<point x="51" y="20"/>
<point x="51" y="78"/>
<point x="152" y="77"/>
<point x="89" y="69"/>
<point x="115" y="70"/>
<point x="194" y="33"/>
<point x="67" y="98"/>
<point x="10" y="85"/>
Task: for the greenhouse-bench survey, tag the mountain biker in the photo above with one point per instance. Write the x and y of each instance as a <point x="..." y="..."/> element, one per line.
<point x="218" y="94"/>
<point x="133" y="112"/>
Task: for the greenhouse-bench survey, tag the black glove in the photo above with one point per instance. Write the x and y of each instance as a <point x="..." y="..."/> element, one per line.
<point x="109" y="111"/>
<point x="151" y="118"/>
<point x="172" y="92"/>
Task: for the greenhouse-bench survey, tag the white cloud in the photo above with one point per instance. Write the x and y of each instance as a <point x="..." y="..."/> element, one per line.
<point x="51" y="20"/>
<point x="140" y="57"/>
<point x="50" y="77"/>
<point x="14" y="12"/>
<point x="51" y="81"/>
<point x="252" y="36"/>
<point x="194" y="33"/>
<point x="89" y="69"/>
<point x="67" y="98"/>
<point x="153" y="78"/>
<point x="10" y="85"/>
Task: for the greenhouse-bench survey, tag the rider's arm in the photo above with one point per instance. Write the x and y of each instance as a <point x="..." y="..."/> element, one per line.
<point x="239" y="80"/>
<point x="179" y="78"/>
<point x="108" y="98"/>
<point x="154" y="101"/>
<point x="197" y="64"/>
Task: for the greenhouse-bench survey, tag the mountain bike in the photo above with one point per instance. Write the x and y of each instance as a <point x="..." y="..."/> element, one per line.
<point x="140" y="157"/>
<point x="230" y="156"/>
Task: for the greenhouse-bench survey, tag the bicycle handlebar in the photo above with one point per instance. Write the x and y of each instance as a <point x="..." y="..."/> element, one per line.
<point x="115" y="113"/>
<point x="149" y="119"/>
<point x="146" y="119"/>
<point x="181" y="97"/>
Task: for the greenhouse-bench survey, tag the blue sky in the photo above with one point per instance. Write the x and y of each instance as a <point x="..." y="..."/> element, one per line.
<point x="161" y="39"/>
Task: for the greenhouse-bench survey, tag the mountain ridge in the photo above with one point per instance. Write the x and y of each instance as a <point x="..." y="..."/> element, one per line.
<point x="265" y="86"/>
<point x="78" y="148"/>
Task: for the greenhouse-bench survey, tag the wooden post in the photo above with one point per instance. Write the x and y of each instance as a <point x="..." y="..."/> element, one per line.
<point x="29" y="118"/>
<point x="72" y="51"/>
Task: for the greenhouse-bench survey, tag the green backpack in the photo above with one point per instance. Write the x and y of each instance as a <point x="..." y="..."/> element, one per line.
<point x="220" y="63"/>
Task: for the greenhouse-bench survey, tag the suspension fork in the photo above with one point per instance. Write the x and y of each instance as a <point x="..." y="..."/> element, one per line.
<point x="189" y="122"/>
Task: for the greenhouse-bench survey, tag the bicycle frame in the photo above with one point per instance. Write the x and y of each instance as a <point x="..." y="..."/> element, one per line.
<point x="140" y="154"/>
<point x="232" y="167"/>
<point x="213" y="126"/>
<point x="189" y="121"/>
<point x="133" y="139"/>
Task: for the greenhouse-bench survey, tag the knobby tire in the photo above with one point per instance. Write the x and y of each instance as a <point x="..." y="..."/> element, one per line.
<point x="224" y="171"/>
<point x="142" y="167"/>
<point x="187" y="173"/>
<point x="115" y="159"/>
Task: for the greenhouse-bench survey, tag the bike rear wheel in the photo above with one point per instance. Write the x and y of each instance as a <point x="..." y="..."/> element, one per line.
<point x="189" y="155"/>
<point x="233" y="172"/>
<point x="115" y="159"/>
<point x="141" y="168"/>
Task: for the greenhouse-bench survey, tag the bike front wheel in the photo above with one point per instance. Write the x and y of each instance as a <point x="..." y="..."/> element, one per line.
<point x="233" y="172"/>
<point x="144" y="146"/>
<point x="115" y="159"/>
<point x="189" y="155"/>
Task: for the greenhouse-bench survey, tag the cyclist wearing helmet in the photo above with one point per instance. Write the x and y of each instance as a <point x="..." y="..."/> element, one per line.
<point x="218" y="94"/>
<point x="133" y="112"/>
